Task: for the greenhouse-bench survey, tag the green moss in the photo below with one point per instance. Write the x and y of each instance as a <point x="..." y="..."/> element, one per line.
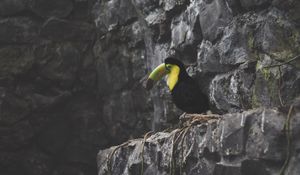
<point x="296" y="38"/>
<point x="255" y="101"/>
<point x="15" y="60"/>
<point x="266" y="84"/>
<point x="273" y="89"/>
<point x="250" y="42"/>
<point x="266" y="73"/>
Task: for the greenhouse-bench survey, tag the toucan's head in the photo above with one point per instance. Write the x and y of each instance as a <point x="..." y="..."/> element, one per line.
<point x="174" y="61"/>
<point x="170" y="67"/>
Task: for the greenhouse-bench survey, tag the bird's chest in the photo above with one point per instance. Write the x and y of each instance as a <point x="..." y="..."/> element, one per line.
<point x="184" y="94"/>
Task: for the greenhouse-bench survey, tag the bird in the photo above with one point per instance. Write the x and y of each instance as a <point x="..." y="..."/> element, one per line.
<point x="185" y="91"/>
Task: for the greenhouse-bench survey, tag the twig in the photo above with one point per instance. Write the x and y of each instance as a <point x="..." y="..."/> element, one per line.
<point x="182" y="140"/>
<point x="279" y="86"/>
<point x="172" y="150"/>
<point x="174" y="141"/>
<point x="288" y="137"/>
<point x="142" y="153"/>
<point x="281" y="64"/>
<point x="109" y="161"/>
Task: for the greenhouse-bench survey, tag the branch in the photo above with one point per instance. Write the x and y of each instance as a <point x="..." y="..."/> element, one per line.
<point x="286" y="62"/>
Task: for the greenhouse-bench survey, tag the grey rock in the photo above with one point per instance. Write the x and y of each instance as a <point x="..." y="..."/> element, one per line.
<point x="71" y="75"/>
<point x="146" y="6"/>
<point x="254" y="167"/>
<point x="293" y="12"/>
<point x="88" y="76"/>
<point x="222" y="169"/>
<point x="157" y="16"/>
<point x="235" y="46"/>
<point x="269" y="90"/>
<point x="83" y="11"/>
<point x="33" y="161"/>
<point x="58" y="62"/>
<point x="36" y="162"/>
<point x="84" y="112"/>
<point x="112" y="14"/>
<point x="209" y="59"/>
<point x="214" y="16"/>
<point x="277" y="36"/>
<point x="119" y="104"/>
<point x="55" y="8"/>
<point x="17" y="136"/>
<point x="233" y="91"/>
<point x="60" y="30"/>
<point x="20" y="30"/>
<point x="110" y="72"/>
<point x="234" y="6"/>
<point x="186" y="34"/>
<point x="171" y="5"/>
<point x="113" y="74"/>
<point x="206" y="148"/>
<point x="293" y="167"/>
<point x="69" y="169"/>
<point x="10" y="7"/>
<point x="133" y="35"/>
<point x="248" y="4"/>
<point x="15" y="60"/>
<point x="272" y="131"/>
<point x="13" y="108"/>
<point x="54" y="137"/>
<point x="242" y="43"/>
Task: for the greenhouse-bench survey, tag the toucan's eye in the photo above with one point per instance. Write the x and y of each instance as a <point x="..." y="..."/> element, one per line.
<point x="168" y="67"/>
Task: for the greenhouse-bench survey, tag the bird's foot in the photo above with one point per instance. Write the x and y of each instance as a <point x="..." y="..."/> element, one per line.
<point x="198" y="118"/>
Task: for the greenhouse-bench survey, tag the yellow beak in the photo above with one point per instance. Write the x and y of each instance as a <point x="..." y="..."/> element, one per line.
<point x="159" y="72"/>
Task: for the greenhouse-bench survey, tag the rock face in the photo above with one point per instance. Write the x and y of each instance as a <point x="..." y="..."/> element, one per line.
<point x="244" y="55"/>
<point x="259" y="141"/>
<point x="71" y="74"/>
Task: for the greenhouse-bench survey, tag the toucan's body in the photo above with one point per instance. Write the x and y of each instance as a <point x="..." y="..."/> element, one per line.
<point x="186" y="93"/>
<point x="187" y="96"/>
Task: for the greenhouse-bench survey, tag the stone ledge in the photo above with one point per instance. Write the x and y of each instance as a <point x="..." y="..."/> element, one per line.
<point x="233" y="144"/>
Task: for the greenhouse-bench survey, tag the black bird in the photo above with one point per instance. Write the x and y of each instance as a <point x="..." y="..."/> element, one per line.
<point x="185" y="92"/>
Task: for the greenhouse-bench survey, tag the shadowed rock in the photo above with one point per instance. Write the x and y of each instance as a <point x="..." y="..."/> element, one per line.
<point x="54" y="8"/>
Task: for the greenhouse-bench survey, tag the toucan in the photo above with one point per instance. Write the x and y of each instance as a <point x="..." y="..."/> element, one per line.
<point x="186" y="93"/>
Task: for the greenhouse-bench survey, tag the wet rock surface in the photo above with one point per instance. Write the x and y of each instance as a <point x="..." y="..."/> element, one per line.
<point x="71" y="74"/>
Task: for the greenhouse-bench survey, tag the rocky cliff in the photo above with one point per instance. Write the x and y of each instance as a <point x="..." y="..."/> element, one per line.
<point x="244" y="54"/>
<point x="71" y="73"/>
<point x="65" y="92"/>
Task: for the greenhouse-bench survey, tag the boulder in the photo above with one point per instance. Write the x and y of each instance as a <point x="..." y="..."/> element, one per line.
<point x="214" y="15"/>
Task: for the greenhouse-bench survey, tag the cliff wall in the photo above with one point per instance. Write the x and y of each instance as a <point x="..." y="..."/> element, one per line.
<point x="71" y="71"/>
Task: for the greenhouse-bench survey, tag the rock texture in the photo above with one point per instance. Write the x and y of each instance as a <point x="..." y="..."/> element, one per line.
<point x="257" y="141"/>
<point x="71" y="71"/>
<point x="52" y="93"/>
<point x="244" y="55"/>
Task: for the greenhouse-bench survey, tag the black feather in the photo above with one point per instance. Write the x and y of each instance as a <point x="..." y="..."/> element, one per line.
<point x="186" y="94"/>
